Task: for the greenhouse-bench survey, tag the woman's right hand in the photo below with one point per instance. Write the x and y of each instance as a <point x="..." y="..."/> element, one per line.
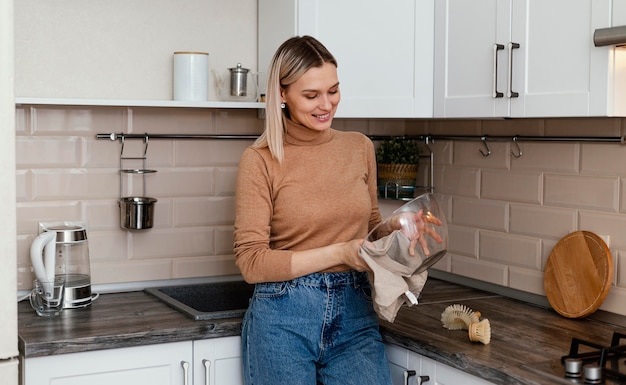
<point x="348" y="253"/>
<point x="335" y="257"/>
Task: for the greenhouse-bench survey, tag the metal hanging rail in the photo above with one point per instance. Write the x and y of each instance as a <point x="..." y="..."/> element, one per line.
<point x="522" y="138"/>
<point x="121" y="136"/>
<point x="427" y="139"/>
<point x="483" y="138"/>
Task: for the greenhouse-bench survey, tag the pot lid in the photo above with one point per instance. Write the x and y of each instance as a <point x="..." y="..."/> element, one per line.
<point x="239" y="69"/>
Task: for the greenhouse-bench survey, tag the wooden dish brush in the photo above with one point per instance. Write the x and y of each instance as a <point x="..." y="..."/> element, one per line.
<point x="459" y="317"/>
<point x="480" y="331"/>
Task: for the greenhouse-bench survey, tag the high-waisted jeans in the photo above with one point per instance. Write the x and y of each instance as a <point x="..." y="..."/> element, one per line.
<point x="317" y="329"/>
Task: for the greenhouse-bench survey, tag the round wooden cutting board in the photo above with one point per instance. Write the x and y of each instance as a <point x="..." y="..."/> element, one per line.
<point x="578" y="274"/>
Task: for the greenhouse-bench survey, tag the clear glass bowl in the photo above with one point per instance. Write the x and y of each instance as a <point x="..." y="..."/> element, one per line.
<point x="422" y="221"/>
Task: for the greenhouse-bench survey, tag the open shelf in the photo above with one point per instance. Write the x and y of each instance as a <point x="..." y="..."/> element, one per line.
<point x="134" y="103"/>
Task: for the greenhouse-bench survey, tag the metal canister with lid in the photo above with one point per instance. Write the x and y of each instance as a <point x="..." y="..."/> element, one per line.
<point x="238" y="80"/>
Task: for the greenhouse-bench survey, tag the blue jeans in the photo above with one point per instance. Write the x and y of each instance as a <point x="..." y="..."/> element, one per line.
<point x="317" y="329"/>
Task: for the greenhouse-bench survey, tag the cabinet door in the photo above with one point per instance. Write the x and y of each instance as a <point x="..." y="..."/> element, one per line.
<point x="547" y="64"/>
<point x="441" y="374"/>
<point x="384" y="51"/>
<point x="398" y="363"/>
<point x="468" y="69"/>
<point x="402" y="361"/>
<point x="218" y="361"/>
<point x="558" y="71"/>
<point x="151" y="364"/>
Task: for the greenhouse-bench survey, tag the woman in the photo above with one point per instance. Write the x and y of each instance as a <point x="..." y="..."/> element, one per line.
<point x="306" y="198"/>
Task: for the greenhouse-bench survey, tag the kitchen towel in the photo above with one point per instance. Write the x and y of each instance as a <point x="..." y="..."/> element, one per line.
<point x="393" y="279"/>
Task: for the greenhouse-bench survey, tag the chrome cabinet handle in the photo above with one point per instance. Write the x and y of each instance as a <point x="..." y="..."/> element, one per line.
<point x="207" y="371"/>
<point x="496" y="48"/>
<point x="185" y="366"/>
<point x="510" y="92"/>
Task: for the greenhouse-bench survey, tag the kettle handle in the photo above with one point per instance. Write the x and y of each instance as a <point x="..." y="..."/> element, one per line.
<point x="45" y="240"/>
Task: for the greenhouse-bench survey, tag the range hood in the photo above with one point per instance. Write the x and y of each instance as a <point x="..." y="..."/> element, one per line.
<point x="610" y="36"/>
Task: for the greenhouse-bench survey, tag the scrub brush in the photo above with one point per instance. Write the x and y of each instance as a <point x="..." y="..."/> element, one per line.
<point x="480" y="331"/>
<point x="459" y="317"/>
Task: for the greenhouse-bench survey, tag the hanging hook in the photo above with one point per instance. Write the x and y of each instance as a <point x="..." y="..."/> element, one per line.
<point x="145" y="149"/>
<point x="122" y="142"/>
<point x="519" y="150"/>
<point x="484" y="140"/>
<point x="427" y="141"/>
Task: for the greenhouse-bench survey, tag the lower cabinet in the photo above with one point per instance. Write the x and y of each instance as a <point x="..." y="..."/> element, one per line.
<point x="409" y="368"/>
<point x="217" y="362"/>
<point x="212" y="361"/>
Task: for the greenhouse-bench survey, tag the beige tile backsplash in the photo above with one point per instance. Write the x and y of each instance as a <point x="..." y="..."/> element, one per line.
<point x="505" y="213"/>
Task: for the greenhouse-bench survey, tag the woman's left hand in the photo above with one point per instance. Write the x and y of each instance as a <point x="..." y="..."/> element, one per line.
<point x="414" y="226"/>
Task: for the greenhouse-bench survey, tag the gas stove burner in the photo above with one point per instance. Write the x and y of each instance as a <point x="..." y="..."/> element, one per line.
<point x="588" y="363"/>
<point x="592" y="374"/>
<point x="573" y="367"/>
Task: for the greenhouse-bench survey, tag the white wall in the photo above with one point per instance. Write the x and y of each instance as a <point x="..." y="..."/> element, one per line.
<point x="120" y="49"/>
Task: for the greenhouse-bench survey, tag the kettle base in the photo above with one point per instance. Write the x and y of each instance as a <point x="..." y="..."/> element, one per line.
<point x="77" y="291"/>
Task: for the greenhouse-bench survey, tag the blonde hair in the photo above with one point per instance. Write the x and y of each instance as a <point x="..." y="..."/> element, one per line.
<point x="292" y="59"/>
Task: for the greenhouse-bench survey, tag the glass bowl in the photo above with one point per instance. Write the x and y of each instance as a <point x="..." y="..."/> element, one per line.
<point x="424" y="224"/>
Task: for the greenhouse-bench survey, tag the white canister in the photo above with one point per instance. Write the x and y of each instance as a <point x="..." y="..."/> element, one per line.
<point x="191" y="76"/>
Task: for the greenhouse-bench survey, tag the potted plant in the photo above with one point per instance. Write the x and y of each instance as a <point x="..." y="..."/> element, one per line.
<point x="397" y="167"/>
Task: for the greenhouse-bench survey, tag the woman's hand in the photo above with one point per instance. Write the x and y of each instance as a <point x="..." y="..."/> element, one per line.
<point x="328" y="258"/>
<point x="414" y="226"/>
<point x="348" y="253"/>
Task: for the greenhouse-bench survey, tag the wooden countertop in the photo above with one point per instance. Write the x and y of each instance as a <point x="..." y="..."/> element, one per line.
<point x="113" y="321"/>
<point x="520" y="333"/>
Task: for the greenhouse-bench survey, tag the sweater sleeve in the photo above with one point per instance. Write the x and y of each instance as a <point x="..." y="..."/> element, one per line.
<point x="372" y="183"/>
<point x="253" y="206"/>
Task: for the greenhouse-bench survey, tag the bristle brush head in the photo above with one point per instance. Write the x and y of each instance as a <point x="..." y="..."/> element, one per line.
<point x="458" y="317"/>
<point x="480" y="331"/>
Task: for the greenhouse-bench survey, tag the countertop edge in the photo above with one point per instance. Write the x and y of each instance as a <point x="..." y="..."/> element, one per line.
<point x="153" y="337"/>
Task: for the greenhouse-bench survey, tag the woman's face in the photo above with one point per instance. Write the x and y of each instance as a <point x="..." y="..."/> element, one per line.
<point x="312" y="100"/>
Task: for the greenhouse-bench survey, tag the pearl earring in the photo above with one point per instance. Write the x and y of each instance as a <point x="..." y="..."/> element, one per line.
<point x="282" y="105"/>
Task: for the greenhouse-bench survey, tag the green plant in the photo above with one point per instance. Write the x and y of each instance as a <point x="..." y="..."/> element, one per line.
<point x="397" y="151"/>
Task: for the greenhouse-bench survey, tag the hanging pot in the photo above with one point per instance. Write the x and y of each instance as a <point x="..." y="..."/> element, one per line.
<point x="137" y="213"/>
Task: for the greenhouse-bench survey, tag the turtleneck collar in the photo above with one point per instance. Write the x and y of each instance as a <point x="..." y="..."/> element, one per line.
<point x="300" y="135"/>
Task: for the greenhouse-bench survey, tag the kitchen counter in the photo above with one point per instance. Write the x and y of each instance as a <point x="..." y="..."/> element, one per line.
<point x="113" y="321"/>
<point x="520" y="333"/>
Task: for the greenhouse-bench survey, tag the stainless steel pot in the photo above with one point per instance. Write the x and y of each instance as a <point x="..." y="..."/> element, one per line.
<point x="137" y="213"/>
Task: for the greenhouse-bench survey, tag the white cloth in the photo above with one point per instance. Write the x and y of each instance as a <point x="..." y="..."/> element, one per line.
<point x="393" y="277"/>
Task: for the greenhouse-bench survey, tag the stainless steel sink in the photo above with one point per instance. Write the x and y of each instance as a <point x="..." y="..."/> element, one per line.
<point x="207" y="300"/>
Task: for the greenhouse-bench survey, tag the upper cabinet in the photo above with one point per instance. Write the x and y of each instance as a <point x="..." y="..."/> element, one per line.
<point x="526" y="58"/>
<point x="384" y="51"/>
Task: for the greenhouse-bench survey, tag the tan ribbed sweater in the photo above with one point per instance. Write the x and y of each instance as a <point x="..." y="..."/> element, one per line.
<point x="323" y="193"/>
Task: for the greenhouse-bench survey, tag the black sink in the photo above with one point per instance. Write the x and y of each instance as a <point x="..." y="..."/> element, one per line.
<point x="207" y="300"/>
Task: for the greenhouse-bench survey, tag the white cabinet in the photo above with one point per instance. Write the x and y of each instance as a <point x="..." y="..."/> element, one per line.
<point x="384" y="50"/>
<point x="405" y="367"/>
<point x="441" y="374"/>
<point x="175" y="363"/>
<point x="409" y="368"/>
<point x="538" y="61"/>
<point x="217" y="361"/>
<point x="150" y="364"/>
